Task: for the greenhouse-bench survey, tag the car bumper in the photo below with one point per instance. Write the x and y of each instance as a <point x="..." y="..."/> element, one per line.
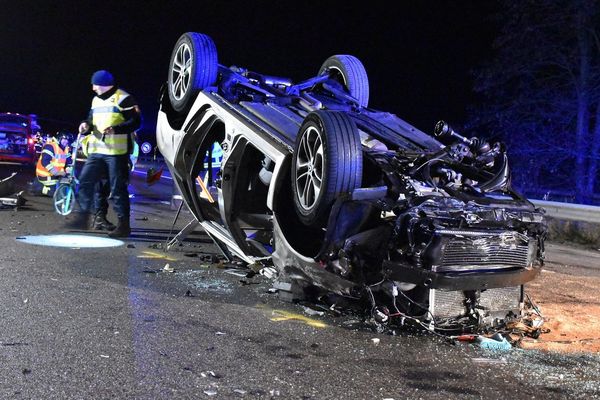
<point x="459" y="281"/>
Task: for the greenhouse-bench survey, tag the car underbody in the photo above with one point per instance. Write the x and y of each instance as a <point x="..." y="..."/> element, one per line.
<point x="334" y="198"/>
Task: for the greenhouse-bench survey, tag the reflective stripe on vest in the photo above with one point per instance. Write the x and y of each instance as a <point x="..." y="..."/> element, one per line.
<point x="56" y="165"/>
<point x="107" y="113"/>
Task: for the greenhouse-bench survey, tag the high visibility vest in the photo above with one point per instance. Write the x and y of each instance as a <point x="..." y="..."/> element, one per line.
<point x="107" y="113"/>
<point x="49" y="174"/>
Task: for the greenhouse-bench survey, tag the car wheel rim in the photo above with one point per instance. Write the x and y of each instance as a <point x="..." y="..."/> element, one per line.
<point x="181" y="71"/>
<point x="309" y="168"/>
<point x="338" y="75"/>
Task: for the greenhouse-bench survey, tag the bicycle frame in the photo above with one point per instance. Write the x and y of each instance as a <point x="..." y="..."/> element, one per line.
<point x="66" y="188"/>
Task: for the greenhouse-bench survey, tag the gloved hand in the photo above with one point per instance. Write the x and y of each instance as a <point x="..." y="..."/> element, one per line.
<point x="83" y="127"/>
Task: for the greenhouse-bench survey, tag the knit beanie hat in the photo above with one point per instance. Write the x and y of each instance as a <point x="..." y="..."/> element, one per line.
<point x="103" y="78"/>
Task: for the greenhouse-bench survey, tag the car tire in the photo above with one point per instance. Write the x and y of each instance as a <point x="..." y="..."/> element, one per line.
<point x="327" y="162"/>
<point x="193" y="67"/>
<point x="350" y="72"/>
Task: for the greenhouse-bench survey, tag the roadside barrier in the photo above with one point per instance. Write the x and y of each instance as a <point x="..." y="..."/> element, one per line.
<point x="570" y="212"/>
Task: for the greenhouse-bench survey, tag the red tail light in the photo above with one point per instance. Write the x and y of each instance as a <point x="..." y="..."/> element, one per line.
<point x="30" y="141"/>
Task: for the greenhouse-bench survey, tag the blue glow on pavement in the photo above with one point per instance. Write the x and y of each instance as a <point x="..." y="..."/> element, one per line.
<point x="72" y="241"/>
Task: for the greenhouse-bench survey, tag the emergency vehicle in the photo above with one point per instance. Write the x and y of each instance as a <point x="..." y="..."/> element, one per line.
<point x="18" y="137"/>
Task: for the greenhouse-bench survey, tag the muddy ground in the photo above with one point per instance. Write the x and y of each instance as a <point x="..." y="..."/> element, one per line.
<point x="567" y="294"/>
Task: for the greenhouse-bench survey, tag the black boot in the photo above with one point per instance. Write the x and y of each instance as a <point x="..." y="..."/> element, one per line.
<point x="102" y="224"/>
<point x="79" y="221"/>
<point x="122" y="230"/>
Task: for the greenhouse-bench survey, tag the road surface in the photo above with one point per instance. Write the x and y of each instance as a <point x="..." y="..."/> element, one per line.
<point x="113" y="322"/>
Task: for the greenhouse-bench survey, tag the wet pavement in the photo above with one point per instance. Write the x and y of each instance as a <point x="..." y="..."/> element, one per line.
<point x="134" y="321"/>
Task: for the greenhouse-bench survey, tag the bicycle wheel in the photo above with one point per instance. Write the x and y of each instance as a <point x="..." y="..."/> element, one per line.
<point x="64" y="199"/>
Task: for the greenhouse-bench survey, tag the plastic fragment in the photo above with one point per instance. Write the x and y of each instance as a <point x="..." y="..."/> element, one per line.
<point x="168" y="268"/>
<point x="210" y="392"/>
<point x="268" y="272"/>
<point x="235" y="272"/>
<point x="311" y="312"/>
<point x="496" y="343"/>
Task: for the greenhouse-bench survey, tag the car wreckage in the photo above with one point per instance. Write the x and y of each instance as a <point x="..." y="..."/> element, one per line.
<point x="333" y="197"/>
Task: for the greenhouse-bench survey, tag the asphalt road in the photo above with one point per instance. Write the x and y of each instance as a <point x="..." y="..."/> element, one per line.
<point x="111" y="323"/>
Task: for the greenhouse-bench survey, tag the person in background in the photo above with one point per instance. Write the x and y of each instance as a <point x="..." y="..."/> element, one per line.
<point x="114" y="115"/>
<point x="51" y="165"/>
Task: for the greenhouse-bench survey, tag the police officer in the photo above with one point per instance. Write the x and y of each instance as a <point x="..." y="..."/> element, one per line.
<point x="114" y="115"/>
<point x="54" y="157"/>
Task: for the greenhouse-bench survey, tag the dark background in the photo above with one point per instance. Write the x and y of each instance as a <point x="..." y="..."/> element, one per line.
<point x="418" y="54"/>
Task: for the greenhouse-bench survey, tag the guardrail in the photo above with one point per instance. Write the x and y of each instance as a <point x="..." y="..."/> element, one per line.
<point x="568" y="211"/>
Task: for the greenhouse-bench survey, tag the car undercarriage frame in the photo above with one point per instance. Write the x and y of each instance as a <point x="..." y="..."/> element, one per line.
<point x="411" y="220"/>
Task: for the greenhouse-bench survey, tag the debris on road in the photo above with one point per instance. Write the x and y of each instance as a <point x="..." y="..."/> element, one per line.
<point x="268" y="272"/>
<point x="168" y="268"/>
<point x="7" y="185"/>
<point x="497" y="342"/>
<point x="9" y="197"/>
<point x="312" y="312"/>
<point x="237" y="272"/>
<point x="153" y="175"/>
<point x="13" y="202"/>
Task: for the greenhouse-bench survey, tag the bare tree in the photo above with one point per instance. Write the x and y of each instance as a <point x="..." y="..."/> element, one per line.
<point x="542" y="93"/>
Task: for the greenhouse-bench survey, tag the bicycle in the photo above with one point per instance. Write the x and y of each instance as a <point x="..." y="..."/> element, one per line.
<point x="66" y="188"/>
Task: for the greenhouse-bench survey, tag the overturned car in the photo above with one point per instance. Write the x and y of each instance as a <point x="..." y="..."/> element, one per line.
<point x="307" y="181"/>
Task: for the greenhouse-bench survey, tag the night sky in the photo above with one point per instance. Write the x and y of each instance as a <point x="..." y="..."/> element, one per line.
<point x="418" y="54"/>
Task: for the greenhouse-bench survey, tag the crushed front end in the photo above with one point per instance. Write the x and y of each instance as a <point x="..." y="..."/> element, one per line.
<point x="439" y="240"/>
<point x="463" y="265"/>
